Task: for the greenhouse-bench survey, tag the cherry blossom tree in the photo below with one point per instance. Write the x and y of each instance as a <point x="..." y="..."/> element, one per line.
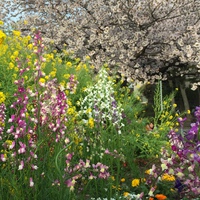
<point x="142" y="39"/>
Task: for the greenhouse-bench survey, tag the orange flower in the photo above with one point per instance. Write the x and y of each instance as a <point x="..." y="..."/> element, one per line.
<point x="160" y="197"/>
<point x="151" y="198"/>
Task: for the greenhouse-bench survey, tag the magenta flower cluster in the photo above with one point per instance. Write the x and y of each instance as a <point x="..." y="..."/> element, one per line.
<point x="83" y="170"/>
<point x="184" y="160"/>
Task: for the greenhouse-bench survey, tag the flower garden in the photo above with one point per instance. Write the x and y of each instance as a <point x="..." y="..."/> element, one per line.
<point x="67" y="132"/>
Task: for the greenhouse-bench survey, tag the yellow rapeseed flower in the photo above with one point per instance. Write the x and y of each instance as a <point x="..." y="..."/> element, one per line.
<point x="69" y="64"/>
<point x="53" y="74"/>
<point x="174" y="105"/>
<point x="16" y="53"/>
<point x="30" y="46"/>
<point x="42" y="80"/>
<point x="66" y="76"/>
<point x="2" y="97"/>
<point x="11" y="65"/>
<point x="16" y="33"/>
<point x="71" y="111"/>
<point x="2" y="36"/>
<point x="85" y="67"/>
<point x="78" y="68"/>
<point x="91" y="123"/>
<point x="69" y="102"/>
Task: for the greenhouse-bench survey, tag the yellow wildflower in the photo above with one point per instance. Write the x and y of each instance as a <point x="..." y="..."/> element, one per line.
<point x="11" y="65"/>
<point x="30" y="46"/>
<point x="126" y="194"/>
<point x="85" y="67"/>
<point x="167" y="177"/>
<point x="69" y="102"/>
<point x="17" y="33"/>
<point x="71" y="111"/>
<point x="66" y="76"/>
<point x="2" y="97"/>
<point x="16" y="53"/>
<point x="78" y="68"/>
<point x="53" y="74"/>
<point x="135" y="182"/>
<point x="69" y="64"/>
<point x="88" y="110"/>
<point x="1" y="23"/>
<point x="123" y="180"/>
<point x="91" y="123"/>
<point x="147" y="171"/>
<point x="42" y="80"/>
<point x="2" y="36"/>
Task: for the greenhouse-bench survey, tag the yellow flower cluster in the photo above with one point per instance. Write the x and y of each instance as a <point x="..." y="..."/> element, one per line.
<point x="71" y="111"/>
<point x="42" y="80"/>
<point x="2" y="97"/>
<point x="2" y="36"/>
<point x="167" y="177"/>
<point x="16" y="33"/>
<point x="135" y="182"/>
<point x="91" y="123"/>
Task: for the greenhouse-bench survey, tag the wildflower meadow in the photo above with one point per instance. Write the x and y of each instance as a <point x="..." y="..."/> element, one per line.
<point x="68" y="131"/>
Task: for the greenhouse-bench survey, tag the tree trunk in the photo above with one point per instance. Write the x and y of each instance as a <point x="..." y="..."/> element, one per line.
<point x="171" y="85"/>
<point x="198" y="92"/>
<point x="185" y="100"/>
